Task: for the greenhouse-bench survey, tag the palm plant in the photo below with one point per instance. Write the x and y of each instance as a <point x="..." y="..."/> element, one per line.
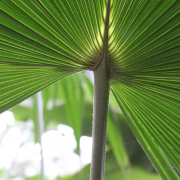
<point x="132" y="47"/>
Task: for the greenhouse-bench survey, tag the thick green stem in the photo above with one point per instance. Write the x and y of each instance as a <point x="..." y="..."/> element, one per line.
<point x="101" y="101"/>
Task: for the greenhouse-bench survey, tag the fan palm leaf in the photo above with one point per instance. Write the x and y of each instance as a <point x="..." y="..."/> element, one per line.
<point x="44" y="41"/>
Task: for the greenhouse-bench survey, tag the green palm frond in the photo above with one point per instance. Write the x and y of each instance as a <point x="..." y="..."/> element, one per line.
<point x="45" y="41"/>
<point x="145" y="62"/>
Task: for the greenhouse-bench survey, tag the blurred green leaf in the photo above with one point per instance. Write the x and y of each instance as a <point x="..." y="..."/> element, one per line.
<point x="34" y="178"/>
<point x="112" y="172"/>
<point x="116" y="142"/>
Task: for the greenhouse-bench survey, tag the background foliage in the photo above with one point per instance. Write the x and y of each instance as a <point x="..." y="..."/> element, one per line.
<point x="125" y="158"/>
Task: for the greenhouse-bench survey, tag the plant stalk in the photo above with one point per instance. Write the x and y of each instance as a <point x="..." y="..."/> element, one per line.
<point x="100" y="109"/>
<point x="40" y="128"/>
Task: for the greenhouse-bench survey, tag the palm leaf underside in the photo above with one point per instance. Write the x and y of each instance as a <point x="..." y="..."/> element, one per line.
<point x="44" y="41"/>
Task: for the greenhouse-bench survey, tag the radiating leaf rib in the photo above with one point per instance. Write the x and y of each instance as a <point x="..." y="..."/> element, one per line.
<point x="135" y="115"/>
<point x="17" y="82"/>
<point x="144" y="53"/>
<point x="87" y="24"/>
<point x="53" y="25"/>
<point x="16" y="40"/>
<point x="152" y="118"/>
<point x="41" y="40"/>
<point x="150" y="26"/>
<point x="46" y="25"/>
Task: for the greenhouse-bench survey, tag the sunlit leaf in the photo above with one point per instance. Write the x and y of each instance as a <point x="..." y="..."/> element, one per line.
<point x="45" y="41"/>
